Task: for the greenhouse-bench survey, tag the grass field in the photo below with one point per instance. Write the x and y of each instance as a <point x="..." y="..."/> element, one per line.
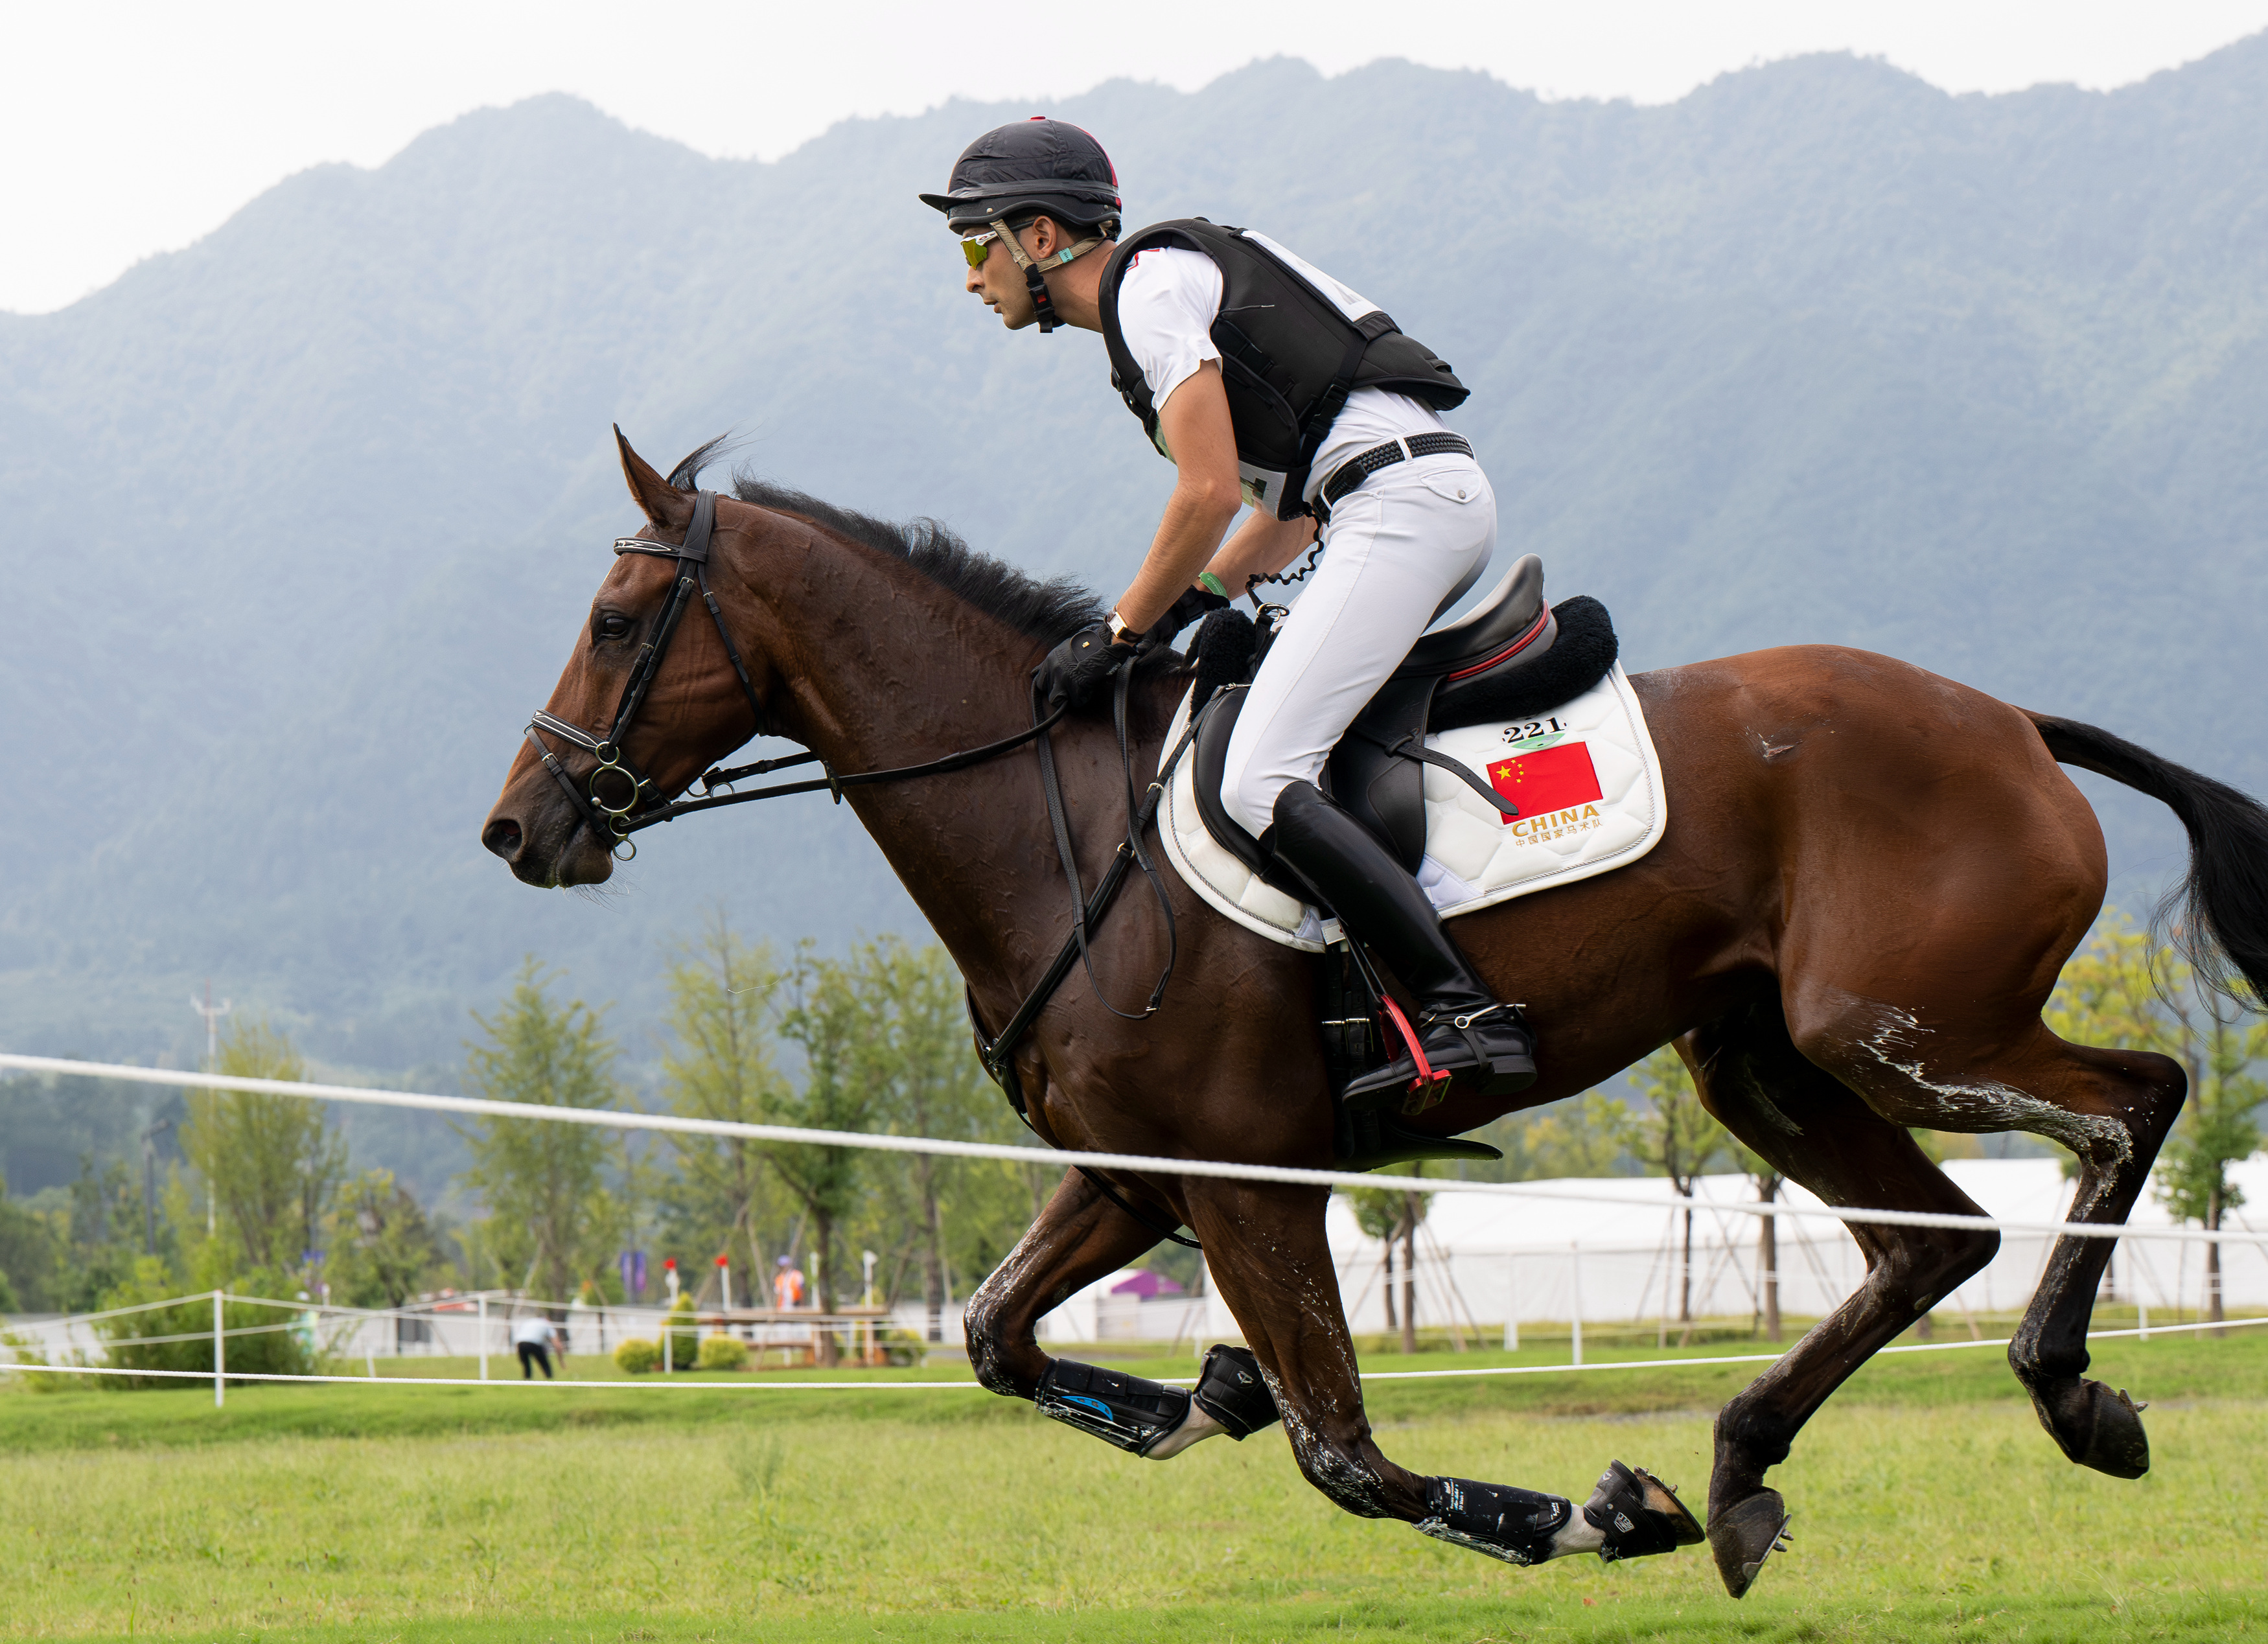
<point x="1928" y="1505"/>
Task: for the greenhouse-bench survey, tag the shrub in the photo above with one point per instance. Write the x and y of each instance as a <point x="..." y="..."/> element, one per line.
<point x="904" y="1347"/>
<point x="636" y="1356"/>
<point x="26" y="1351"/>
<point x="684" y="1335"/>
<point x="274" y="1342"/>
<point x="722" y="1352"/>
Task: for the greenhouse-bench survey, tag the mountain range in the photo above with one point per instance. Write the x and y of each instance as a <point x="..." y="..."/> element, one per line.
<point x="304" y="519"/>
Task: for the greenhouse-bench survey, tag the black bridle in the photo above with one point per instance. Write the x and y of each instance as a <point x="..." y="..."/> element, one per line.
<point x="616" y="771"/>
<point x="644" y="804"/>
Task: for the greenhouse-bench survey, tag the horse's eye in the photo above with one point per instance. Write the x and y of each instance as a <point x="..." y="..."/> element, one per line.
<point x="610" y="625"/>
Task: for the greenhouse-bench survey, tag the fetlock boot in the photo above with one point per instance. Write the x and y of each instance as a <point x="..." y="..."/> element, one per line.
<point x="1461" y="1029"/>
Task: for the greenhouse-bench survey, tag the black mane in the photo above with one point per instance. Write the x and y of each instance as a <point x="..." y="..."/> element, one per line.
<point x="1047" y="611"/>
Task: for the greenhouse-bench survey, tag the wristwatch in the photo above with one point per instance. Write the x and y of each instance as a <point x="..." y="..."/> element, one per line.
<point x="1121" y="634"/>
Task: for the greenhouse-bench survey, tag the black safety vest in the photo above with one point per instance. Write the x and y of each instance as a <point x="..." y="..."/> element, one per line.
<point x="1289" y="357"/>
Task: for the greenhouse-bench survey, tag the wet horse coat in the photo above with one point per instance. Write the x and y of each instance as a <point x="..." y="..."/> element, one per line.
<point x="1870" y="880"/>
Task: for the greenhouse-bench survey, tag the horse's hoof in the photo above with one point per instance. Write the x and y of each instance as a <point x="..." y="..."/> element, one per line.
<point x="1638" y="1514"/>
<point x="1743" y="1536"/>
<point x="2096" y="1427"/>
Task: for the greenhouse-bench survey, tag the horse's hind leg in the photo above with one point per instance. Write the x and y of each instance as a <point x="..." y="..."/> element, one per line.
<point x="1950" y="1065"/>
<point x="1266" y="1251"/>
<point x="1817" y="1132"/>
<point x="2117" y="1107"/>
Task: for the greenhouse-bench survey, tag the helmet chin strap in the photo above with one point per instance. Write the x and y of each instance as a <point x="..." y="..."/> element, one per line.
<point x="1034" y="280"/>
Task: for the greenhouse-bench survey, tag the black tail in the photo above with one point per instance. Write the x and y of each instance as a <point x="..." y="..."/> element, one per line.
<point x="2218" y="914"/>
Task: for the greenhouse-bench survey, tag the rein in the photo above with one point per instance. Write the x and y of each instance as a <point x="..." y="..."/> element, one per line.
<point x="643" y="804"/>
<point x="621" y="821"/>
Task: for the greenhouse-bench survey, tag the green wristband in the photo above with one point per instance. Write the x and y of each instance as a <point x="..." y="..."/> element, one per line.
<point x="1211" y="584"/>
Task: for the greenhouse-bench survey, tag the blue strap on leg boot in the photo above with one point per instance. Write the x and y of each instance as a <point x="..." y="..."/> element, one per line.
<point x="1150" y="1419"/>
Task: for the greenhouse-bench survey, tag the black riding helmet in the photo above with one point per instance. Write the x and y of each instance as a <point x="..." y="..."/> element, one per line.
<point x="1020" y="171"/>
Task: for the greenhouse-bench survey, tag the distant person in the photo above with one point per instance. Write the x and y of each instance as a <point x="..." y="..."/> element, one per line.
<point x="534" y="1337"/>
<point x="1324" y="419"/>
<point x="787" y="1284"/>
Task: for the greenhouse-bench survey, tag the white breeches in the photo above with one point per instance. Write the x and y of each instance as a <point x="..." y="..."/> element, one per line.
<point x="1413" y="537"/>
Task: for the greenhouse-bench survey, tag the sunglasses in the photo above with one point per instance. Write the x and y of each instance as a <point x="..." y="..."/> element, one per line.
<point x="977" y="247"/>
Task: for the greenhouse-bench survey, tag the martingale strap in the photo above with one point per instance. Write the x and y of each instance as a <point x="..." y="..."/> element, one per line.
<point x="998" y="1053"/>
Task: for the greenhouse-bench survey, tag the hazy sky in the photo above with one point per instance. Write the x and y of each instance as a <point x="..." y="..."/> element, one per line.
<point x="128" y="128"/>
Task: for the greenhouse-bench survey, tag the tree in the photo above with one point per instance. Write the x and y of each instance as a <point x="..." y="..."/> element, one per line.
<point x="829" y="1020"/>
<point x="2122" y="993"/>
<point x="271" y="1163"/>
<point x="95" y="1233"/>
<point x="1768" y="1179"/>
<point x="545" y="1183"/>
<point x="382" y="1243"/>
<point x="1586" y="1137"/>
<point x="1678" y="1137"/>
<point x="917" y="1061"/>
<point x="31" y="1255"/>
<point x="1392" y="1215"/>
<point x="723" y="995"/>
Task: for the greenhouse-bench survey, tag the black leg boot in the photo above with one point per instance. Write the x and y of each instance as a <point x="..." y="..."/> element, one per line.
<point x="1462" y="1029"/>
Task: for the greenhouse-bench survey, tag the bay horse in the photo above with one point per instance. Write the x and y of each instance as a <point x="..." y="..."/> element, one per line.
<point x="1870" y="880"/>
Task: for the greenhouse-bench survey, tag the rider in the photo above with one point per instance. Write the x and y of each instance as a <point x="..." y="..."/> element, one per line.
<point x="1264" y="381"/>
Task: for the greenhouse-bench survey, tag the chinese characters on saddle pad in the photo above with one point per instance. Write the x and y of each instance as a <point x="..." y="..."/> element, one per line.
<point x="1584" y="777"/>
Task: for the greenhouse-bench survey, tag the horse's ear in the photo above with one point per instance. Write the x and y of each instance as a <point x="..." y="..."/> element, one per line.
<point x="669" y="508"/>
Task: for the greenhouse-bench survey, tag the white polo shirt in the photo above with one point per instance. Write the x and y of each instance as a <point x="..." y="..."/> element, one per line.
<point x="1168" y="299"/>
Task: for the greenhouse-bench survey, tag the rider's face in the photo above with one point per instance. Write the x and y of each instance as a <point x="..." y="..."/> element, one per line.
<point x="999" y="283"/>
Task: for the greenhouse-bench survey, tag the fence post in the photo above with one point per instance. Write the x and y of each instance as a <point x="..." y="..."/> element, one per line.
<point x="1575" y="1269"/>
<point x="1512" y="1303"/>
<point x="482" y="1326"/>
<point x="2142" y="1310"/>
<point x="220" y="1353"/>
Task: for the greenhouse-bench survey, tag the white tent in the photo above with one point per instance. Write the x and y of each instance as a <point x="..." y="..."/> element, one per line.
<point x="1483" y="1258"/>
<point x="1555" y="1250"/>
<point x="1537" y="1256"/>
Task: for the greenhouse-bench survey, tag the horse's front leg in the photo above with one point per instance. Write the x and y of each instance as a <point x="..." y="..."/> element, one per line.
<point x="1265" y="1249"/>
<point x="1078" y="1238"/>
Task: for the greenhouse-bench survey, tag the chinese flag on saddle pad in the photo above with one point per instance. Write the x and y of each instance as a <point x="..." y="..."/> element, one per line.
<point x="1549" y="779"/>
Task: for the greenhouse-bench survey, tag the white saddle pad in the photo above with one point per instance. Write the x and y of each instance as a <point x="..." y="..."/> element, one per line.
<point x="1585" y="777"/>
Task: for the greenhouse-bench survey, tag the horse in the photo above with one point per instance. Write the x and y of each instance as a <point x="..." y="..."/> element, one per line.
<point x="1870" y="878"/>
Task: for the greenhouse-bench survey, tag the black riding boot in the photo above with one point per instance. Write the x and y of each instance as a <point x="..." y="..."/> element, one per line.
<point x="1461" y="1028"/>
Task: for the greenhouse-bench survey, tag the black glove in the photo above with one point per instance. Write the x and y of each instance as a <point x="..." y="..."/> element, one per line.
<point x="1195" y="605"/>
<point x="1076" y="670"/>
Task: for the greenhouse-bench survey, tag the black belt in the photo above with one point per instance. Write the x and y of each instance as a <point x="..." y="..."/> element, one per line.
<point x="1350" y="474"/>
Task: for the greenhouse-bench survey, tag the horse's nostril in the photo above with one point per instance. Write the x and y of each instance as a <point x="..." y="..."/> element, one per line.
<point x="502" y="836"/>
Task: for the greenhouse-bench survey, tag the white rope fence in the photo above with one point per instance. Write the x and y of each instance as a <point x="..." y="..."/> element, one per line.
<point x="971" y="1385"/>
<point x="614" y="1119"/>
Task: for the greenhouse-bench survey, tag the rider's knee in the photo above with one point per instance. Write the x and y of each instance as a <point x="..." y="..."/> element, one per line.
<point x="1248" y="794"/>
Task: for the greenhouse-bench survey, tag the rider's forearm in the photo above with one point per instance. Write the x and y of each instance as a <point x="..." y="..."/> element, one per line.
<point x="1263" y="544"/>
<point x="1196" y="514"/>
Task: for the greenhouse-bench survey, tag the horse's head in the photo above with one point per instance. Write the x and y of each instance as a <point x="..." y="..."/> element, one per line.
<point x="650" y="697"/>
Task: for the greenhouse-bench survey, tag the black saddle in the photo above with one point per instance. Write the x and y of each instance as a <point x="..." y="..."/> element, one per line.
<point x="1510" y="658"/>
